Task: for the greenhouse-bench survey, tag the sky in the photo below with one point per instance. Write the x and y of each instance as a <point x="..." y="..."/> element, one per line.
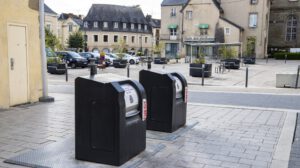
<point x="151" y="7"/>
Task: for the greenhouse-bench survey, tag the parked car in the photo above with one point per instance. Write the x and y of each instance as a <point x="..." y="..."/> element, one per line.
<point x="73" y="59"/>
<point x="109" y="58"/>
<point x="89" y="55"/>
<point x="131" y="59"/>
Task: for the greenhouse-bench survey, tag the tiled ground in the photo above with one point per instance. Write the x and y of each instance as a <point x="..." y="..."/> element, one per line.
<point x="224" y="137"/>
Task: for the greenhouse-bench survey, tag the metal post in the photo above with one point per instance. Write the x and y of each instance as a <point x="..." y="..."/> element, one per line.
<point x="203" y="69"/>
<point x="149" y="63"/>
<point x="45" y="97"/>
<point x="128" y="70"/>
<point x="66" y="71"/>
<point x="297" y="78"/>
<point x="191" y="60"/>
<point x="93" y="67"/>
<point x="285" y="58"/>
<point x="247" y="74"/>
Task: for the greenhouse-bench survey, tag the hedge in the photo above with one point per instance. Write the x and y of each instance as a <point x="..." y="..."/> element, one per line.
<point x="290" y="56"/>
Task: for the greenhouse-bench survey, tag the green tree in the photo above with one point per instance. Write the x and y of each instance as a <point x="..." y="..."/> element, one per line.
<point x="51" y="40"/>
<point x="158" y="48"/>
<point x="76" y="40"/>
<point x="121" y="47"/>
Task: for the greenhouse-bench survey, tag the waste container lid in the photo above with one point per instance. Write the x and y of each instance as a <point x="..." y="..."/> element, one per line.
<point x="106" y="78"/>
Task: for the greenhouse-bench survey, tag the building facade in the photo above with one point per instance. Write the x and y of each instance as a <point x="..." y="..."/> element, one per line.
<point x="51" y="20"/>
<point x="68" y="23"/>
<point x="105" y="26"/>
<point x="284" y="25"/>
<point x="20" y="55"/>
<point x="208" y="24"/>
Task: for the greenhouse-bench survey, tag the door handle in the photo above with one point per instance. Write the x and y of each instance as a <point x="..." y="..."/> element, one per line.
<point x="12" y="64"/>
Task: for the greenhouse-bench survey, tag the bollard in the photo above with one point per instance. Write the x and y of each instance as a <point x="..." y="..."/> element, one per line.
<point x="163" y="67"/>
<point x="128" y="70"/>
<point x="149" y="63"/>
<point x="66" y="69"/>
<point x="203" y="69"/>
<point x="93" y="67"/>
<point x="247" y="73"/>
<point x="285" y="58"/>
<point x="297" y="78"/>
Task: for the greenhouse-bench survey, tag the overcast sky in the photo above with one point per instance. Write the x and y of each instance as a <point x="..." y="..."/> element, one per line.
<point x="151" y="7"/>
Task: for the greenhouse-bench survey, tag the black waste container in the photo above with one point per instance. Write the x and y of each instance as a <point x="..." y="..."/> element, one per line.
<point x="167" y="100"/>
<point x="110" y="126"/>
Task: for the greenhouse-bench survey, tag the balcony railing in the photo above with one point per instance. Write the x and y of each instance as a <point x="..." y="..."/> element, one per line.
<point x="170" y="37"/>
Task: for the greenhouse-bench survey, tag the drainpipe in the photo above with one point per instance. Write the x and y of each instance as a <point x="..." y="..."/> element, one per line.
<point x="45" y="97"/>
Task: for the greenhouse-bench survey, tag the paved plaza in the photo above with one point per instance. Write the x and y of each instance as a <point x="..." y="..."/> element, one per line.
<point x="233" y="127"/>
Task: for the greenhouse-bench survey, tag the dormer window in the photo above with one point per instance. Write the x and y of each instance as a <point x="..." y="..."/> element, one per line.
<point x="105" y="25"/>
<point x="124" y="26"/>
<point x="132" y="26"/>
<point x="85" y="24"/>
<point x="146" y="28"/>
<point x="116" y="25"/>
<point x="95" y="24"/>
<point x="139" y="26"/>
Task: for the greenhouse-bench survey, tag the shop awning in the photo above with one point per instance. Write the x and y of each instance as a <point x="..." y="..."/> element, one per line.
<point x="172" y="26"/>
<point x="203" y="26"/>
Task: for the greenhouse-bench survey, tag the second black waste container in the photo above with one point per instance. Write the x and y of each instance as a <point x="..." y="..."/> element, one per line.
<point x="110" y="118"/>
<point x="167" y="100"/>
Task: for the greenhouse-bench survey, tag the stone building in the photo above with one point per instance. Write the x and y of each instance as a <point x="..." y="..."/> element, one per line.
<point x="284" y="25"/>
<point x="106" y="25"/>
<point x="51" y="21"/>
<point x="68" y="23"/>
<point x="20" y="55"/>
<point x="212" y="23"/>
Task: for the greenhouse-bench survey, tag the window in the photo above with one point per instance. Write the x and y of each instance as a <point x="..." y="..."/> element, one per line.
<point x="145" y="27"/>
<point x="139" y="26"/>
<point x="95" y="24"/>
<point x="95" y="38"/>
<point x="115" y="38"/>
<point x="116" y="25"/>
<point x="48" y="26"/>
<point x="70" y="27"/>
<point x="132" y="26"/>
<point x="227" y="31"/>
<point x="291" y="28"/>
<point x="132" y="39"/>
<point x="85" y="38"/>
<point x="125" y="38"/>
<point x="105" y="25"/>
<point x="253" y="2"/>
<point x="173" y="12"/>
<point x="105" y="38"/>
<point x="85" y="24"/>
<point x="253" y="20"/>
<point x="146" y="39"/>
<point x="124" y="26"/>
<point x="203" y="32"/>
<point x="189" y="15"/>
<point x="173" y="32"/>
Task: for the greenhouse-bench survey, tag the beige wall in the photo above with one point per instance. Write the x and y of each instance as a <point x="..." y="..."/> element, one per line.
<point x="63" y="31"/>
<point x="235" y="33"/>
<point x="110" y="44"/>
<point x="238" y="12"/>
<point x="51" y="19"/>
<point x="204" y="12"/>
<point x="18" y="12"/>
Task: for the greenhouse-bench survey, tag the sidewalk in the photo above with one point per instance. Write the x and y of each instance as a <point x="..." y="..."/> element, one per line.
<point x="225" y="137"/>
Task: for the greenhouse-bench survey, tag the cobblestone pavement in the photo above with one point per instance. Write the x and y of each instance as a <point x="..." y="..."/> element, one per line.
<point x="224" y="137"/>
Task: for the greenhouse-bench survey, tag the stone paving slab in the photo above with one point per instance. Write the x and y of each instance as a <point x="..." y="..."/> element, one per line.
<point x="224" y="137"/>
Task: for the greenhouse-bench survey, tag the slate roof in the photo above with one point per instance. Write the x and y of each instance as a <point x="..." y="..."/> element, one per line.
<point x="75" y="18"/>
<point x="49" y="10"/>
<point x="173" y="2"/>
<point x="155" y="23"/>
<point x="115" y="13"/>
<point x="234" y="24"/>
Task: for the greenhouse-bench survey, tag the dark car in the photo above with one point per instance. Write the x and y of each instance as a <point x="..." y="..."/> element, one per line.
<point x="89" y="55"/>
<point x="73" y="59"/>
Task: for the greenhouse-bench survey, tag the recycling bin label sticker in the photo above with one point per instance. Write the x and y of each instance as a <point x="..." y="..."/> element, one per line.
<point x="186" y="94"/>
<point x="145" y="112"/>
